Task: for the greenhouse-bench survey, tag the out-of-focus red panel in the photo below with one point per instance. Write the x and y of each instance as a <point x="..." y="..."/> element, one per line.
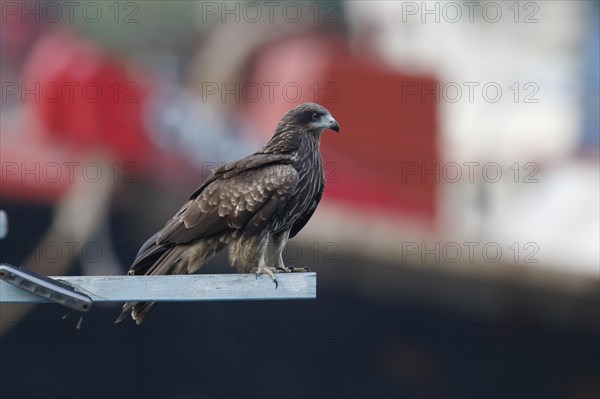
<point x="84" y="103"/>
<point x="385" y="137"/>
<point x="87" y="99"/>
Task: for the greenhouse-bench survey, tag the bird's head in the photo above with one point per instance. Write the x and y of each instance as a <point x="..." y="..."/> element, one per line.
<point x="310" y="118"/>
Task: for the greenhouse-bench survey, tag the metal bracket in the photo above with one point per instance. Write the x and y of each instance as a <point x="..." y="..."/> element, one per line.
<point x="45" y="287"/>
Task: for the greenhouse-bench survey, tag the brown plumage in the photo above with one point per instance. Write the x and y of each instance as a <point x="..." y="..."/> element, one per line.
<point x="252" y="206"/>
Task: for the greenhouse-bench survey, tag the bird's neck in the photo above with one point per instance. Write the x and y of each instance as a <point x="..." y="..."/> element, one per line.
<point x="289" y="141"/>
<point x="308" y="158"/>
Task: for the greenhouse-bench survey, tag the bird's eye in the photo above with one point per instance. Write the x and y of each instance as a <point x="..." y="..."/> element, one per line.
<point x="315" y="115"/>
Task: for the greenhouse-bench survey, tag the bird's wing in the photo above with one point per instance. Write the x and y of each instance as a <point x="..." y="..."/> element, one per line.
<point x="301" y="222"/>
<point x="254" y="161"/>
<point x="247" y="200"/>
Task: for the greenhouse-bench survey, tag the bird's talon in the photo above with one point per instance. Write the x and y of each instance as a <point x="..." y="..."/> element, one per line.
<point x="269" y="271"/>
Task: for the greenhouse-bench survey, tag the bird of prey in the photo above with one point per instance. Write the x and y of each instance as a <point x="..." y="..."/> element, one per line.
<point x="251" y="206"/>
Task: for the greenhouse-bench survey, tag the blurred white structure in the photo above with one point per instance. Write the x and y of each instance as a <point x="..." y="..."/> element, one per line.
<point x="510" y="92"/>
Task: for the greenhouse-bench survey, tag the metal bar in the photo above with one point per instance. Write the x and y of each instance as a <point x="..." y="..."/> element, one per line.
<point x="196" y="287"/>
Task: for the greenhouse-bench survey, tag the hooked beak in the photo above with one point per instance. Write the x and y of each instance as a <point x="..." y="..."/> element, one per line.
<point x="333" y="125"/>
